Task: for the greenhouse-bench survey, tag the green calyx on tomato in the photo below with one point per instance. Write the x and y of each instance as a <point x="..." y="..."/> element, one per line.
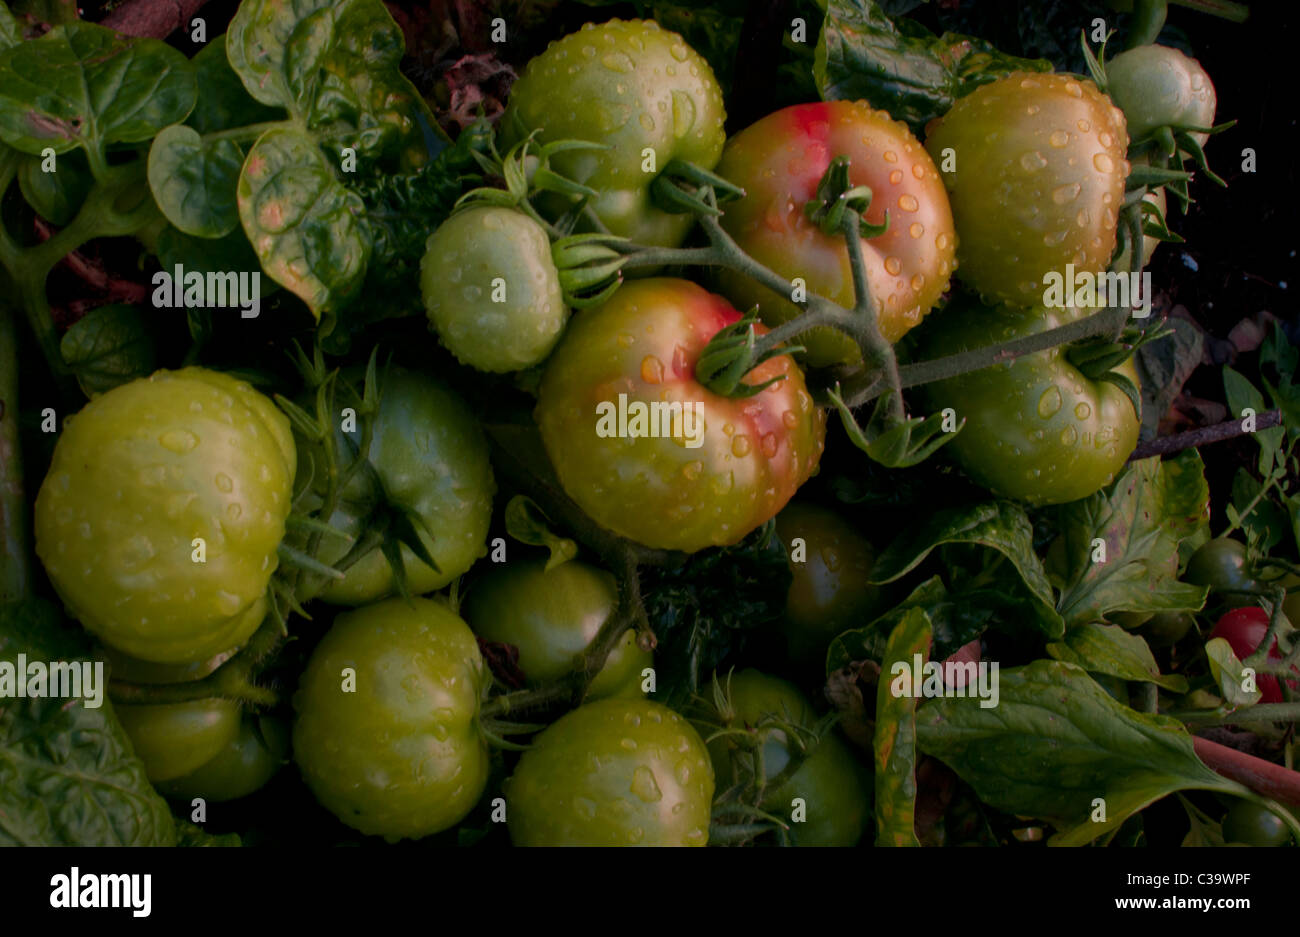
<point x="1035" y="168"/>
<point x="552" y="616"/>
<point x="162" y="511"/>
<point x="176" y="739"/>
<point x="643" y="95"/>
<point x="1037" y="429"/>
<point x="780" y="160"/>
<point x="614" y="772"/>
<point x="779" y="725"/>
<point x="830" y="585"/>
<point x="387" y="734"/>
<point x="259" y="749"/>
<point x="648" y="451"/>
<point x="430" y="460"/>
<point x="491" y="289"/>
<point x="1158" y="86"/>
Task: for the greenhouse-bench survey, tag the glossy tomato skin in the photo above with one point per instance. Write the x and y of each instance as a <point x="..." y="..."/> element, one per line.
<point x="629" y="86"/>
<point x="1222" y="565"/>
<point x="431" y="457"/>
<point x="830" y="589"/>
<point x="1254" y="825"/>
<point x="1036" y="428"/>
<point x="613" y="773"/>
<point x="1037" y="181"/>
<point x="833" y="785"/>
<point x="259" y="749"/>
<point x="141" y="473"/>
<point x="780" y="160"/>
<point x="1244" y="630"/>
<point x="402" y="756"/>
<point x="491" y="289"/>
<point x="551" y="616"/>
<point x="662" y="491"/>
<point x="1158" y="86"/>
<point x="173" y="739"/>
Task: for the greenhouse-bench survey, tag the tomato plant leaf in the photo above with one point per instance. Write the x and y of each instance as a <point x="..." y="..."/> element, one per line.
<point x="108" y="346"/>
<point x="10" y="32"/>
<point x="1109" y="649"/>
<point x="82" y="85"/>
<point x="305" y="227"/>
<point x="335" y="65"/>
<point x="1056" y="743"/>
<point x="995" y="525"/>
<point x="895" y="737"/>
<point x="223" y="101"/>
<point x="192" y="181"/>
<point x="1228" y="672"/>
<point x="68" y="774"/>
<point x="1118" y="550"/>
<point x="901" y="66"/>
<point x="1242" y="395"/>
<point x="57" y="196"/>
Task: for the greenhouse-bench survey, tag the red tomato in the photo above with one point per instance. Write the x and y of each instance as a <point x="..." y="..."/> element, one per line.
<point x="1244" y="630"/>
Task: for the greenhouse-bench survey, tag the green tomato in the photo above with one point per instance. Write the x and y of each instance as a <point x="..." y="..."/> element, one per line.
<point x="132" y="670"/>
<point x="430" y="458"/>
<point x="1222" y="564"/>
<point x="831" y="781"/>
<point x="1035" y="174"/>
<point x="641" y="93"/>
<point x="551" y="617"/>
<point x="1036" y="428"/>
<point x="174" y="739"/>
<point x="1165" y="628"/>
<point x="613" y="773"/>
<point x="139" y="475"/>
<point x="1255" y="825"/>
<point x="830" y="588"/>
<point x="400" y="754"/>
<point x="1157" y="86"/>
<point x="245" y="765"/>
<point x="491" y="289"/>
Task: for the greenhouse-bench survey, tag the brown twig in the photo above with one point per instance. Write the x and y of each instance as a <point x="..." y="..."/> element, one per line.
<point x="1203" y="436"/>
<point x="153" y="18"/>
<point x="1263" y="777"/>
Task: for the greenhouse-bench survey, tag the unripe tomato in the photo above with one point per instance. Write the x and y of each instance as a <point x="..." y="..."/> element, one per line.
<point x="1244" y="630"/>
<point x="643" y="94"/>
<point x="400" y="755"/>
<point x="1037" y="182"/>
<point x="710" y="481"/>
<point x="491" y="289"/>
<point x="552" y="616"/>
<point x="174" y="739"/>
<point x="613" y="773"/>
<point x="1221" y="564"/>
<point x="1158" y="86"/>
<point x="1036" y="429"/>
<point x="779" y="162"/>
<point x="142" y="473"/>
<point x="244" y="766"/>
<point x="1254" y="825"/>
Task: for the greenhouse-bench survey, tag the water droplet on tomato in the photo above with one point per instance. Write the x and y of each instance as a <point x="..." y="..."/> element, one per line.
<point x="1049" y="403"/>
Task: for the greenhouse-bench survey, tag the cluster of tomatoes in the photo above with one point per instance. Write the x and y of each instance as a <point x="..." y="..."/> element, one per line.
<point x="171" y="499"/>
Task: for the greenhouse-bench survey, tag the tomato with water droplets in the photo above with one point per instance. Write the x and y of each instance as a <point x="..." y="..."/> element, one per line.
<point x="780" y="160"/>
<point x="1035" y="168"/>
<point x="1036" y="428"/>
<point x="649" y="452"/>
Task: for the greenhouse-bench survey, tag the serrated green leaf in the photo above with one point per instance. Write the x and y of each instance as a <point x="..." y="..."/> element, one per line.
<point x="1109" y="649"/>
<point x="68" y="774"/>
<point x="193" y="181"/>
<point x="1055" y="743"/>
<point x="83" y="85"/>
<point x="1228" y="672"/>
<point x="109" y="346"/>
<point x="1243" y="395"/>
<point x="1140" y="521"/>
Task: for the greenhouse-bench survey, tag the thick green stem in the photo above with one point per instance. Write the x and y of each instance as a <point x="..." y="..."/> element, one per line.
<point x="1224" y="9"/>
<point x="878" y="352"/>
<point x="1148" y="20"/>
